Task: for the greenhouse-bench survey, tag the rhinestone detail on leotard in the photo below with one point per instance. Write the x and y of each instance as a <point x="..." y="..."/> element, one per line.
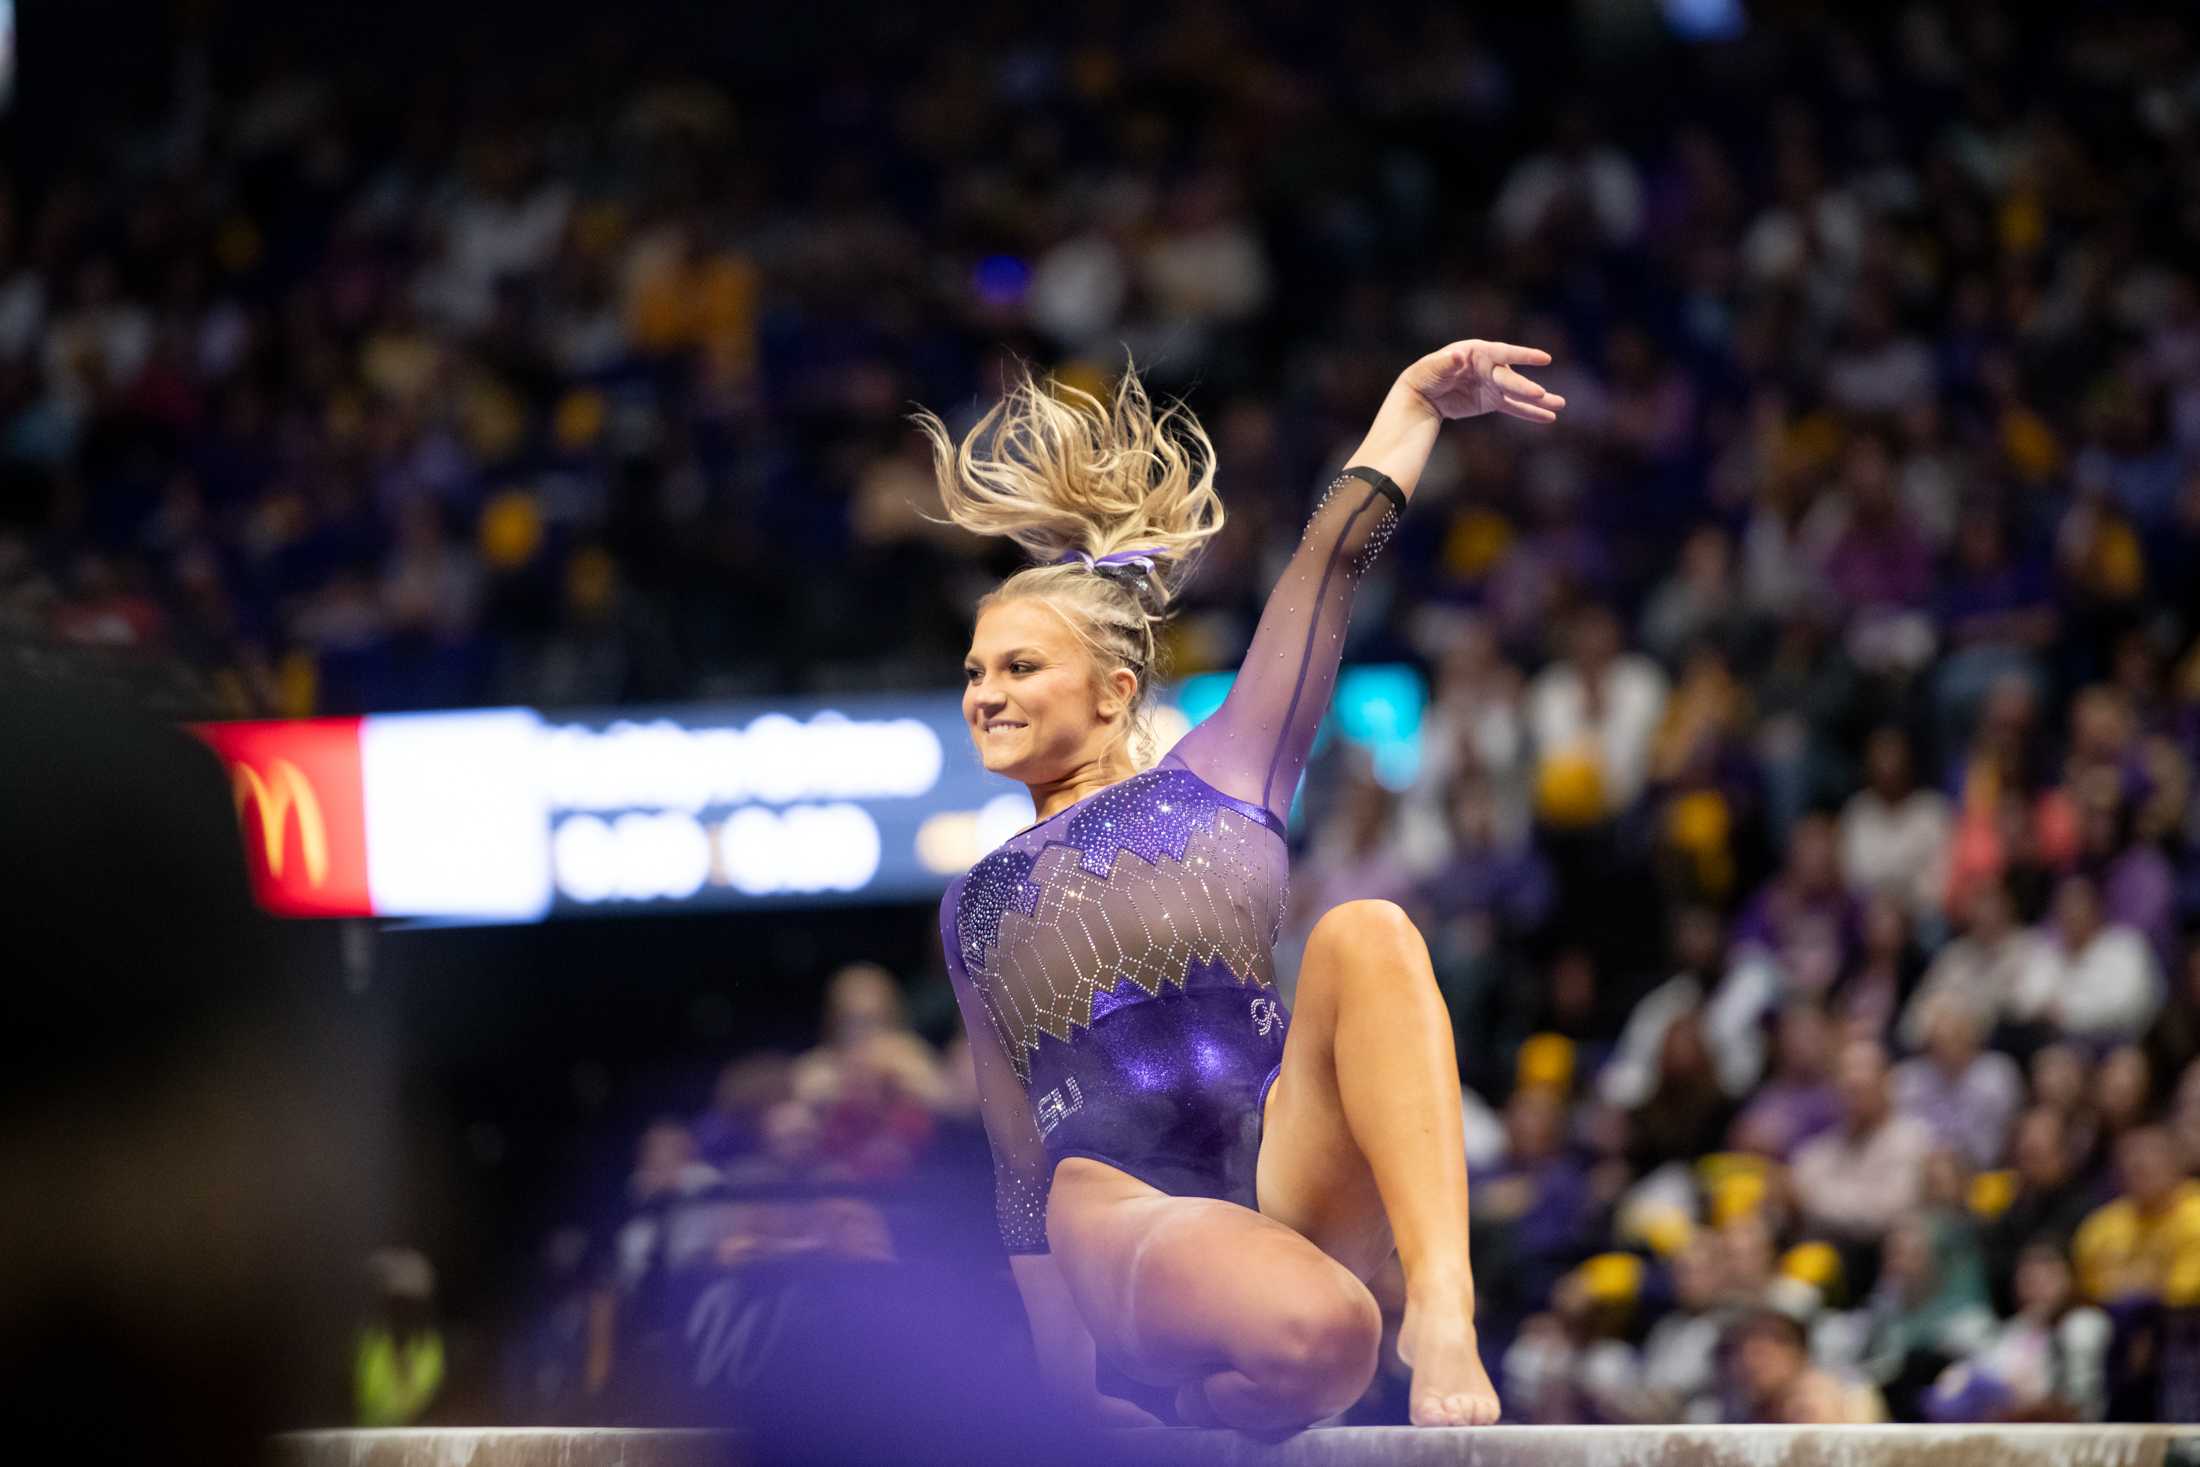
<point x="1138" y="882"/>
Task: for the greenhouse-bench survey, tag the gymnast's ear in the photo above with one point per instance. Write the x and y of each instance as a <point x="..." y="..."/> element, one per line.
<point x="1117" y="689"/>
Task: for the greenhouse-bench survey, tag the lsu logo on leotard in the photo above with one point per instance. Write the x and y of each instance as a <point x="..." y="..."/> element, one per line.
<point x="1266" y="1014"/>
<point x="1052" y="1109"/>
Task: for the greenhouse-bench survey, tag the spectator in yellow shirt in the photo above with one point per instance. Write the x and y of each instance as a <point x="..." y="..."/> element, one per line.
<point x="2144" y="1246"/>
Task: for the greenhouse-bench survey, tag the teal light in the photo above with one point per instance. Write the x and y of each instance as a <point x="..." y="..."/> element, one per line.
<point x="1377" y="706"/>
<point x="1201" y="694"/>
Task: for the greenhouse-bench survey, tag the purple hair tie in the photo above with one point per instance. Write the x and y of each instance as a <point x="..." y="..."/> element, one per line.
<point x="1143" y="559"/>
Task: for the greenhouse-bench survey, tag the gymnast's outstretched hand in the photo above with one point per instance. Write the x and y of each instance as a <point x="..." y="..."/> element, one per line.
<point x="1469" y="378"/>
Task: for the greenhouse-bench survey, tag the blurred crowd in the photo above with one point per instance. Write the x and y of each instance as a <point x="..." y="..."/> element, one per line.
<point x="866" y="1148"/>
<point x="1804" y="831"/>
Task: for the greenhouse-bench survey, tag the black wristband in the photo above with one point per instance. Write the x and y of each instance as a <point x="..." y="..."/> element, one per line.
<point x="1381" y="481"/>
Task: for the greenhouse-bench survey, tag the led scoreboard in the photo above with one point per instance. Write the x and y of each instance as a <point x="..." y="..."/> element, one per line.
<point x="515" y="815"/>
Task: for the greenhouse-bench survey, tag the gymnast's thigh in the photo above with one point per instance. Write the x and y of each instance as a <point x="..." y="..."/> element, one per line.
<point x="1174" y="1288"/>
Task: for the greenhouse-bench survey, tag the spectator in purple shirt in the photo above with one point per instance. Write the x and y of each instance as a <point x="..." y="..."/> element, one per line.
<point x="1798" y="1101"/>
<point x="1879" y="559"/>
<point x="1492" y="878"/>
<point x="2138" y="883"/>
<point x="1533" y="1211"/>
<point x="747" y="1089"/>
<point x="1804" y="917"/>
<point x="1989" y="597"/>
<point x="1996" y="614"/>
<point x="2128" y="455"/>
<point x="1965" y="1093"/>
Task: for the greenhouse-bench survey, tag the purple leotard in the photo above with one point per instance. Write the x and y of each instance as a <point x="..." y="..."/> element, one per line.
<point x="1115" y="963"/>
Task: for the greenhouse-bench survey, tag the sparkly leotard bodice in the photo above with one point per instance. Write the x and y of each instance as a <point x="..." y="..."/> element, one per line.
<point x="1114" y="963"/>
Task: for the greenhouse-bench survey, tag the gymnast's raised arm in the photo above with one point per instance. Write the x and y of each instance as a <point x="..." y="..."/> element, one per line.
<point x="1255" y="745"/>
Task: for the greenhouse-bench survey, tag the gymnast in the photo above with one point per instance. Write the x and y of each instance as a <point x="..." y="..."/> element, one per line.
<point x="1193" y="1183"/>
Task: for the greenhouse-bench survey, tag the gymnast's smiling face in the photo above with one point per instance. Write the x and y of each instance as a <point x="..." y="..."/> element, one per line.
<point x="1031" y="701"/>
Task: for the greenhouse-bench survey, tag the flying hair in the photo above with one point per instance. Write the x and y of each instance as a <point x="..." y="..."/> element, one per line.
<point x="1058" y="471"/>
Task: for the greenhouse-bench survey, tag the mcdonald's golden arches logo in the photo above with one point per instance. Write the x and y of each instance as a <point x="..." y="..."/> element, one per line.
<point x="305" y="773"/>
<point x="285" y="790"/>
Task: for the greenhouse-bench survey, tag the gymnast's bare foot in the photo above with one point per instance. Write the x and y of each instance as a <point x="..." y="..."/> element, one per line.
<point x="1436" y="1338"/>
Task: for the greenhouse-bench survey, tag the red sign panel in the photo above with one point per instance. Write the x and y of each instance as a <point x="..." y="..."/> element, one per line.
<point x="302" y="804"/>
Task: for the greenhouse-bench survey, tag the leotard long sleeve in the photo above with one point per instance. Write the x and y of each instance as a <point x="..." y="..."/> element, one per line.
<point x="1114" y="962"/>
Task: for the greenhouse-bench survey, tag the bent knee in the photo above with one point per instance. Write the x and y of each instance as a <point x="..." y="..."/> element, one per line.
<point x="1324" y="1345"/>
<point x="1365" y="916"/>
<point x="1368" y="926"/>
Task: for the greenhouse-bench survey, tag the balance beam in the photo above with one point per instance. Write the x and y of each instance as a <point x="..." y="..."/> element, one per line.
<point x="1347" y="1446"/>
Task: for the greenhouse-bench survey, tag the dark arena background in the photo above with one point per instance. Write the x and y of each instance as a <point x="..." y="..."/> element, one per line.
<point x="482" y="752"/>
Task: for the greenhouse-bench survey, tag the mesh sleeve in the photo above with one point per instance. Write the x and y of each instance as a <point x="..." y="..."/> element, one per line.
<point x="1254" y="747"/>
<point x="1021" y="1175"/>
